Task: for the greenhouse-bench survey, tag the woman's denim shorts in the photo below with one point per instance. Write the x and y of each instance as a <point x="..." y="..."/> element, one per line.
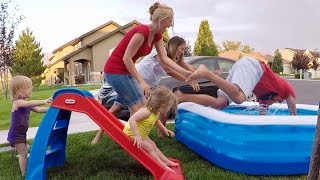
<point x="127" y="87"/>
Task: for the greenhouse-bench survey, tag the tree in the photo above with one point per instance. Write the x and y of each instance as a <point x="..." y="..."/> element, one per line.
<point x="300" y="61"/>
<point x="187" y="50"/>
<point x="236" y="45"/>
<point x="315" y="64"/>
<point x="204" y="45"/>
<point x="247" y="49"/>
<point x="27" y="57"/>
<point x="277" y="64"/>
<point x="231" y="45"/>
<point x="8" y="25"/>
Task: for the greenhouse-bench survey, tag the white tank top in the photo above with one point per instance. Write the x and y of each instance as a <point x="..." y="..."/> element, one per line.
<point x="150" y="69"/>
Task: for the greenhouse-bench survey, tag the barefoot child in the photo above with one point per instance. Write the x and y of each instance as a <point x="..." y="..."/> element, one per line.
<point x="20" y="89"/>
<point x="140" y="123"/>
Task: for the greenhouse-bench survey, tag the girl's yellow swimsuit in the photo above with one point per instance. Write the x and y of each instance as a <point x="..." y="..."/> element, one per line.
<point x="144" y="126"/>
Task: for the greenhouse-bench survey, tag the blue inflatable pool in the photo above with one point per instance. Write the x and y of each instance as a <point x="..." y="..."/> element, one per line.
<point x="276" y="144"/>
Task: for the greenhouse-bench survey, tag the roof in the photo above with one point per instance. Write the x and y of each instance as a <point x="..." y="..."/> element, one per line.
<point x="76" y="40"/>
<point x="93" y="43"/>
<point x="297" y="50"/>
<point x="233" y="54"/>
<point x="190" y="59"/>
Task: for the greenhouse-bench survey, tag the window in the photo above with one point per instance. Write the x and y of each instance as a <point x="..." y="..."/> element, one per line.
<point x="225" y="65"/>
<point x="209" y="63"/>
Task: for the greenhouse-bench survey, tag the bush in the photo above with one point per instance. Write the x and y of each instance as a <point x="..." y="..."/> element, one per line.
<point x="36" y="81"/>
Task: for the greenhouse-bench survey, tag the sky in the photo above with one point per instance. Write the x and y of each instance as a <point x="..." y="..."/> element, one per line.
<point x="265" y="25"/>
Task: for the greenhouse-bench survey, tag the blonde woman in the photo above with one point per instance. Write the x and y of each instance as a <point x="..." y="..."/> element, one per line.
<point x="119" y="69"/>
<point x="151" y="70"/>
<point x="20" y="89"/>
<point x="161" y="100"/>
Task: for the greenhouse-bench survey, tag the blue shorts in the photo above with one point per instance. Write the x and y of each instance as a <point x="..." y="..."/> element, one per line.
<point x="127" y="88"/>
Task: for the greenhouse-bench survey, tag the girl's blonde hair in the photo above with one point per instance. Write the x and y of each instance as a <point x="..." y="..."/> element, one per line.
<point x="18" y="86"/>
<point x="160" y="11"/>
<point x="161" y="96"/>
<point x="172" y="46"/>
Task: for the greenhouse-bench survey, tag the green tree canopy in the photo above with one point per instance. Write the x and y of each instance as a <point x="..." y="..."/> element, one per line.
<point x="231" y="45"/>
<point x="236" y="45"/>
<point x="247" y="49"/>
<point x="277" y="64"/>
<point x="27" y="57"/>
<point x="204" y="45"/>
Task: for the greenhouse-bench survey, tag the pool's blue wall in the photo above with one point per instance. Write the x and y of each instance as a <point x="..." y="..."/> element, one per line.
<point x="249" y="149"/>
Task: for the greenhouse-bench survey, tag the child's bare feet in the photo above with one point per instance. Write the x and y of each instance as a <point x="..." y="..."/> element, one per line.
<point x="160" y="134"/>
<point x="197" y="74"/>
<point x="170" y="163"/>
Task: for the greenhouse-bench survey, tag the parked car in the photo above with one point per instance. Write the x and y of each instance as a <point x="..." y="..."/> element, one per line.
<point x="108" y="95"/>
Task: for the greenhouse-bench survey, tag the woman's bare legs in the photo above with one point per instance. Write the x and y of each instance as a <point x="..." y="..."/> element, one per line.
<point x="203" y="99"/>
<point x="233" y="91"/>
<point x="23" y="153"/>
<point x="115" y="110"/>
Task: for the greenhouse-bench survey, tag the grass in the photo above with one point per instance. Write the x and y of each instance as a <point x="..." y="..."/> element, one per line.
<point x="41" y="92"/>
<point x="108" y="161"/>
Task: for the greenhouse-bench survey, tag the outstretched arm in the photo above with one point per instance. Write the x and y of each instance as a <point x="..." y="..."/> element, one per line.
<point x="32" y="103"/>
<point x="291" y="102"/>
<point x="162" y="128"/>
<point x="167" y="61"/>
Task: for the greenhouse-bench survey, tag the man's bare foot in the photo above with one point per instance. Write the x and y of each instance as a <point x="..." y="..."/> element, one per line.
<point x="179" y="95"/>
<point x="197" y="74"/>
<point x="170" y="163"/>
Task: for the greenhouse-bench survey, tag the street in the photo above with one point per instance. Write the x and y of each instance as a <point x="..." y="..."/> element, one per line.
<point x="307" y="91"/>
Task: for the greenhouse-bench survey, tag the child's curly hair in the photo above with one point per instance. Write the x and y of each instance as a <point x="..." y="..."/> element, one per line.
<point x="159" y="96"/>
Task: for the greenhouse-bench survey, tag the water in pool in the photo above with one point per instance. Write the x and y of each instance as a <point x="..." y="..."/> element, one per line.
<point x="254" y="110"/>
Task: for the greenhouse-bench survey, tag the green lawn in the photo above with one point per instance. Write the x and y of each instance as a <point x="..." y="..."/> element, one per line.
<point x="41" y="92"/>
<point x="108" y="161"/>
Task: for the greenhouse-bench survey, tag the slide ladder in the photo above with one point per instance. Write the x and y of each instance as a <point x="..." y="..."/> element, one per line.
<point x="49" y="145"/>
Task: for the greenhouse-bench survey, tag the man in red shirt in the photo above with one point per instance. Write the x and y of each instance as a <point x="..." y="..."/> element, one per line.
<point x="248" y="75"/>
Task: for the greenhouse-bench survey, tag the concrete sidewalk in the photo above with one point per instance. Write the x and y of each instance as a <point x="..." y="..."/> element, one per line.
<point x="79" y="122"/>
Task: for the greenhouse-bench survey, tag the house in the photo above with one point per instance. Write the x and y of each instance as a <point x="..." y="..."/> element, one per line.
<point x="82" y="59"/>
<point x="288" y="54"/>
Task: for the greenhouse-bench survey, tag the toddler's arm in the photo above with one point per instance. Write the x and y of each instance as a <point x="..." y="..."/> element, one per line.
<point x="162" y="128"/>
<point x="31" y="103"/>
<point x="140" y="115"/>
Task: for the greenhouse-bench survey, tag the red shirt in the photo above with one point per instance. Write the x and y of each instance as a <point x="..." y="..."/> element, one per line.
<point x="115" y="64"/>
<point x="270" y="82"/>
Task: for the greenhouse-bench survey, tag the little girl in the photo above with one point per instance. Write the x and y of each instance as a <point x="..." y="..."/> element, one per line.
<point x="20" y="89"/>
<point x="161" y="100"/>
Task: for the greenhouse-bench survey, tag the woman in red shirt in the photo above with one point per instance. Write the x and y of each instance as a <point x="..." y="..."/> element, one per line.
<point x="120" y="71"/>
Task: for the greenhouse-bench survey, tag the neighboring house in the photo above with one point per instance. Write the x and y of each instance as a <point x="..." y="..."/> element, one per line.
<point x="83" y="58"/>
<point x="288" y="54"/>
<point x="236" y="55"/>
